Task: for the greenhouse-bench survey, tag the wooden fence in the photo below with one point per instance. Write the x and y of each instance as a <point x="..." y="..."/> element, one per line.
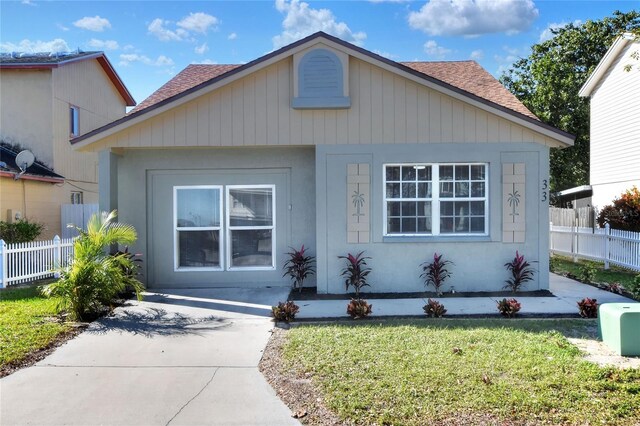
<point x="583" y="217"/>
<point x="607" y="245"/>
<point x="25" y="262"/>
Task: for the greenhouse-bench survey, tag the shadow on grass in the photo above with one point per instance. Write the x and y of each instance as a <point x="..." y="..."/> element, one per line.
<point x="574" y="328"/>
<point x="151" y="322"/>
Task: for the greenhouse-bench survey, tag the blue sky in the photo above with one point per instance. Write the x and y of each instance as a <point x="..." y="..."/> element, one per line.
<point x="150" y="41"/>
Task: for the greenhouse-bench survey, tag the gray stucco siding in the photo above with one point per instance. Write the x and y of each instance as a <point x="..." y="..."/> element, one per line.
<point x="146" y="178"/>
<point x="479" y="260"/>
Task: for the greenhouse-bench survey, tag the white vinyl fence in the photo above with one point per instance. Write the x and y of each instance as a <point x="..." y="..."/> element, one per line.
<point x="607" y="245"/>
<point x="25" y="262"/>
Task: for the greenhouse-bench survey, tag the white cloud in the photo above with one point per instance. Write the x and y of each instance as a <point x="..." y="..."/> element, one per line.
<point x="547" y="33"/>
<point x="205" y="62"/>
<point x="128" y="47"/>
<point x="232" y="36"/>
<point x="28" y="3"/>
<point x="302" y="20"/>
<point x="104" y="44"/>
<point x="198" y="22"/>
<point x="432" y="49"/>
<point x="476" y="55"/>
<point x="389" y="1"/>
<point x="385" y="54"/>
<point x="28" y="46"/>
<point x="200" y="50"/>
<point x="62" y="27"/>
<point x="95" y="23"/>
<point x="157" y="29"/>
<point x="472" y="18"/>
<point x="128" y="58"/>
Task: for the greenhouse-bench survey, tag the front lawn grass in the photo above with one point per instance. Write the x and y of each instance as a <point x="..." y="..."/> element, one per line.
<point x="462" y="371"/>
<point x="564" y="266"/>
<point x="27" y="323"/>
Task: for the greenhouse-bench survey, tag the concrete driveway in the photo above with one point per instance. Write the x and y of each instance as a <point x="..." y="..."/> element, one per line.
<point x="183" y="357"/>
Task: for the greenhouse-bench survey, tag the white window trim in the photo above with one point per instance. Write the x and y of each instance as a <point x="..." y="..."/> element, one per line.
<point x="435" y="201"/>
<point x="230" y="228"/>
<point x="176" y="249"/>
<point x="74" y="124"/>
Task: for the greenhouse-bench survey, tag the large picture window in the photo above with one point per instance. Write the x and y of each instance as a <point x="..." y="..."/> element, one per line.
<point x="435" y="199"/>
<point x="244" y="238"/>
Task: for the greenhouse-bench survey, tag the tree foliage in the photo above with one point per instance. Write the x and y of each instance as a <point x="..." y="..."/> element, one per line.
<point x="624" y="213"/>
<point x="548" y="82"/>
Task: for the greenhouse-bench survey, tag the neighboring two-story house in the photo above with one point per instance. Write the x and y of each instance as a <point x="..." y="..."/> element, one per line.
<point x="615" y="121"/>
<point x="45" y="100"/>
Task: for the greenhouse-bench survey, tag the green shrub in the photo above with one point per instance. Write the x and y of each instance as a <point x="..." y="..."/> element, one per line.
<point x="554" y="263"/>
<point x="21" y="231"/>
<point x="587" y="272"/>
<point x="634" y="287"/>
<point x="94" y="278"/>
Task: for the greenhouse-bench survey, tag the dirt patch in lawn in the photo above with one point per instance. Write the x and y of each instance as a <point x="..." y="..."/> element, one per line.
<point x="40" y="354"/>
<point x="597" y="352"/>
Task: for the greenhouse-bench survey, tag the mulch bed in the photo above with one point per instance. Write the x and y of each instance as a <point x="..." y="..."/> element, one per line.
<point x="310" y="293"/>
<point x="40" y="354"/>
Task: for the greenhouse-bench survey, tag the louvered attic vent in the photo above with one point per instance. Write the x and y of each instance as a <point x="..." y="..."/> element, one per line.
<point x="321" y="82"/>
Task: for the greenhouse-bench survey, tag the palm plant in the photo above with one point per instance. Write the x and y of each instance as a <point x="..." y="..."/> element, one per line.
<point x="93" y="278"/>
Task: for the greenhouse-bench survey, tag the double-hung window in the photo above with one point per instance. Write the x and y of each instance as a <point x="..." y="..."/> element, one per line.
<point x="243" y="238"/>
<point x="250" y="223"/>
<point x="436" y="199"/>
<point x="197" y="222"/>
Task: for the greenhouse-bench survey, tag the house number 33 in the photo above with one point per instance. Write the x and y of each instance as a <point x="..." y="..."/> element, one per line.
<point x="545" y="187"/>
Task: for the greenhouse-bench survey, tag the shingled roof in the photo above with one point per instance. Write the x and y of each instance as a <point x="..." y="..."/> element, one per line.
<point x="466" y="75"/>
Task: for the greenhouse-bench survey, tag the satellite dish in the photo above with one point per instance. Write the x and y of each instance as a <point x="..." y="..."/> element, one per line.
<point x="24" y="160"/>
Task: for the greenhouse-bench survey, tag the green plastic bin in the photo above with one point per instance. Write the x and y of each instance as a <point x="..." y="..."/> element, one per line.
<point x="619" y="325"/>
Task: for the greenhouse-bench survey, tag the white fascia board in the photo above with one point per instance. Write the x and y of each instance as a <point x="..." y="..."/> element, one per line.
<point x="603" y="66"/>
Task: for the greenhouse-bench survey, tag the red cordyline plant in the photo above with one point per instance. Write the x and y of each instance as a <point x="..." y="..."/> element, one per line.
<point x="521" y="272"/>
<point x="434" y="273"/>
<point x="356" y="272"/>
<point x="298" y="267"/>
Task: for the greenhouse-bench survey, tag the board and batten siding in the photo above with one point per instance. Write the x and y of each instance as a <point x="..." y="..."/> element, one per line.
<point x="255" y="111"/>
<point x="615" y="130"/>
<point x="85" y="85"/>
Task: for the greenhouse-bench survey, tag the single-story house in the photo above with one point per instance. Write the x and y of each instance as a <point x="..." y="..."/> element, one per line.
<point x="326" y="144"/>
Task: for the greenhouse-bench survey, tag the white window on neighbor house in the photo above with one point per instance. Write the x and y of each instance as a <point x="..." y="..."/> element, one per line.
<point x="74" y="124"/>
<point x="77" y="197"/>
<point x="197" y="213"/>
<point x="250" y="224"/>
<point x="436" y="199"/>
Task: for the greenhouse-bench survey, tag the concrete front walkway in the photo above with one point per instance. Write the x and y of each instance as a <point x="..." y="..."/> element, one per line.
<point x="186" y="357"/>
<point x="566" y="293"/>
